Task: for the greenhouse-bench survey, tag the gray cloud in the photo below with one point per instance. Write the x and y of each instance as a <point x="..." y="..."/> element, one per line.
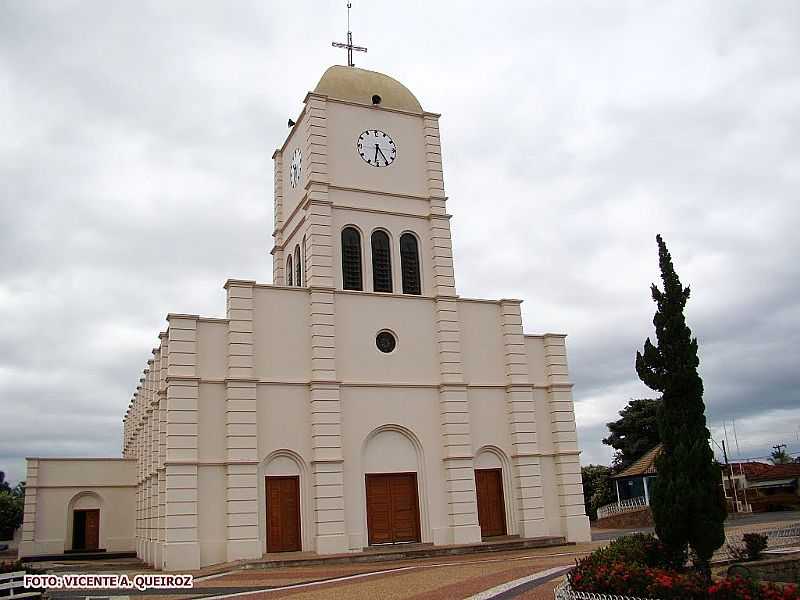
<point x="136" y="169"/>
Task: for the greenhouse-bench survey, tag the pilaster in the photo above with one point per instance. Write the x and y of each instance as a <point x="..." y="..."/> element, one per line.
<point x="319" y="254"/>
<point x="162" y="447"/>
<point x="27" y="545"/>
<point x="327" y="462"/>
<point x="241" y="425"/>
<point x="182" y="549"/>
<point x="462" y="507"/>
<point x="574" y="521"/>
<point x="155" y="548"/>
<point x="521" y="410"/>
<point x="149" y="482"/>
<point x="278" y="258"/>
<point x="441" y="242"/>
<point x="457" y="452"/>
<point x="139" y="451"/>
<point x="319" y="216"/>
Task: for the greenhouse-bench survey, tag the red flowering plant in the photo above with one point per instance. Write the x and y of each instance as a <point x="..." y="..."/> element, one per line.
<point x="740" y="588"/>
<point x="639" y="566"/>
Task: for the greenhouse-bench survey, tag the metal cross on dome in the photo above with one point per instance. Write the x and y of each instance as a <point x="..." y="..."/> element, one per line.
<point x="349" y="44"/>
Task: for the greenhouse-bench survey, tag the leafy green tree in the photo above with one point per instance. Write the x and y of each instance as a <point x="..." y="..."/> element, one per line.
<point x="598" y="489"/>
<point x="635" y="432"/>
<point x="687" y="499"/>
<point x="4" y="485"/>
<point x="11" y="508"/>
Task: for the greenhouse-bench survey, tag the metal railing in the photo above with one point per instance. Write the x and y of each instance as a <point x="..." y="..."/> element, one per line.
<point x="11" y="586"/>
<point x="565" y="592"/>
<point x="621" y="507"/>
<point x="777" y="537"/>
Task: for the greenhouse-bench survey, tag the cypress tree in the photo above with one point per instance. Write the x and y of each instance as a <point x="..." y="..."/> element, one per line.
<point x="687" y="499"/>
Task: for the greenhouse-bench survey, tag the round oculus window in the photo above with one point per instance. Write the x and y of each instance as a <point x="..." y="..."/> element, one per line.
<point x="385" y="342"/>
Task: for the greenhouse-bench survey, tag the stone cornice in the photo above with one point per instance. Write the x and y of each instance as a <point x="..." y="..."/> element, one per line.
<point x="377" y="107"/>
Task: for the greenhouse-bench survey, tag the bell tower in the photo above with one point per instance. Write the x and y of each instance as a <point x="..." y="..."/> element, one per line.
<point x="362" y="153"/>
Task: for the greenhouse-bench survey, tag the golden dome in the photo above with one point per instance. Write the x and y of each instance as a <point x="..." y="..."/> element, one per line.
<point x="360" y="85"/>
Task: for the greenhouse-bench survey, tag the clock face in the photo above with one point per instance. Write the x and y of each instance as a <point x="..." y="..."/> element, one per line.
<point x="376" y="148"/>
<point x="296" y="167"/>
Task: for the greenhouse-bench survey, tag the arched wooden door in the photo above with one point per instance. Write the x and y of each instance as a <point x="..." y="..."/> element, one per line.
<point x="491" y="504"/>
<point x="283" y="513"/>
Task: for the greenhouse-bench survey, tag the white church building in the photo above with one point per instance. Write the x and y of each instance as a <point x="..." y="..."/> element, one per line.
<point x="357" y="400"/>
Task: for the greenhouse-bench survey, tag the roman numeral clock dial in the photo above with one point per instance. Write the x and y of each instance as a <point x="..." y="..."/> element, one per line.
<point x="376" y="148"/>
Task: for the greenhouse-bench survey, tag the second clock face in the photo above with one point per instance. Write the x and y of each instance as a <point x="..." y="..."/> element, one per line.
<point x="376" y="148"/>
<point x="296" y="167"/>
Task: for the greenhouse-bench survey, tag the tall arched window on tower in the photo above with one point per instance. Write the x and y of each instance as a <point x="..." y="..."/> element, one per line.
<point x="409" y="264"/>
<point x="298" y="267"/>
<point x="289" y="270"/>
<point x="351" y="259"/>
<point x="381" y="262"/>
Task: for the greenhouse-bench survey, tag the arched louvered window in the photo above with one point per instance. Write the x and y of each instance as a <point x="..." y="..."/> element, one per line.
<point x="381" y="262"/>
<point x="298" y="267"/>
<point x="351" y="259"/>
<point x="409" y="264"/>
<point x="289" y="270"/>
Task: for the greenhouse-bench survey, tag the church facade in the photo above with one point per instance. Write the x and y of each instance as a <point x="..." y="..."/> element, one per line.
<point x="355" y="401"/>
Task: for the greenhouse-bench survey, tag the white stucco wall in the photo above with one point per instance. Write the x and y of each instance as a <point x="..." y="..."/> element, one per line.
<point x="56" y="487"/>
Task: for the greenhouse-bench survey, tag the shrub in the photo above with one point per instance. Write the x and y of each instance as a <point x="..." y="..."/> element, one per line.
<point x="12" y="566"/>
<point x="737" y="588"/>
<point x="642" y="549"/>
<point x="753" y="544"/>
<point x="640" y="566"/>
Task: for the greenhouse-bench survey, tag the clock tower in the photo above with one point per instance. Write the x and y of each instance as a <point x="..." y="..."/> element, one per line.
<point x="362" y="153"/>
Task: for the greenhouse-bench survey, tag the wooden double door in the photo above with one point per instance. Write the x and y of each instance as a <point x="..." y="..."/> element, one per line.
<point x="491" y="505"/>
<point x="392" y="508"/>
<point x="86" y="529"/>
<point x="283" y="514"/>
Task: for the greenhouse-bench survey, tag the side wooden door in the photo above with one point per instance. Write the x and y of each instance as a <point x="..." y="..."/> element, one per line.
<point x="491" y="505"/>
<point x="86" y="529"/>
<point x="283" y="514"/>
<point x="92" y="529"/>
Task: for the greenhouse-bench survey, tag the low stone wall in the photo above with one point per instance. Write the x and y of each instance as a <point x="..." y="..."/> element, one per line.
<point x="640" y="517"/>
<point x="785" y="569"/>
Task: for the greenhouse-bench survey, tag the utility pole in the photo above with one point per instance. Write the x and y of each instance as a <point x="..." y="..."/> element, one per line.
<point x="730" y="478"/>
<point x="779" y="448"/>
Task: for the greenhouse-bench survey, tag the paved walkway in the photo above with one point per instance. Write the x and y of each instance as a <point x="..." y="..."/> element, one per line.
<point x="532" y="573"/>
<point x="525" y="573"/>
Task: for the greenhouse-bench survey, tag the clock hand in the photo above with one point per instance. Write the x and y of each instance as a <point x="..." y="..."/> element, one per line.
<point x="377" y="149"/>
<point x="383" y="155"/>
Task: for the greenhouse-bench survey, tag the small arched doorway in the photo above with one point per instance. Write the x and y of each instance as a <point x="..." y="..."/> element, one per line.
<point x="284" y="506"/>
<point x="491" y="474"/>
<point x="83" y="519"/>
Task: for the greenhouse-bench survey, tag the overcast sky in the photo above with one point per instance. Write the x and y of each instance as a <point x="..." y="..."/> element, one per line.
<point x="136" y="177"/>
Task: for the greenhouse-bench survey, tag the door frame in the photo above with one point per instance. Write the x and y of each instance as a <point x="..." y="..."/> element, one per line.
<point x="416" y="508"/>
<point x="75" y="531"/>
<point x="298" y="512"/>
<point x="499" y="472"/>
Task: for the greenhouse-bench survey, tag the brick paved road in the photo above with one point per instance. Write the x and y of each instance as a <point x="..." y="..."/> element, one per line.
<point x="421" y="579"/>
